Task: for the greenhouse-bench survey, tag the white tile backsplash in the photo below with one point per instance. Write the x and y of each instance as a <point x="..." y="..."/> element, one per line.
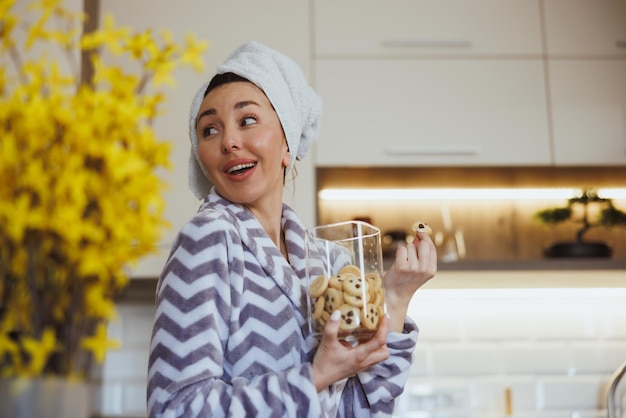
<point x="536" y="359"/>
<point x="464" y="359"/>
<point x="488" y="394"/>
<point x="134" y="400"/>
<point x="126" y="364"/>
<point x="496" y="326"/>
<point x="570" y="392"/>
<point x="123" y="376"/>
<point x="554" y="348"/>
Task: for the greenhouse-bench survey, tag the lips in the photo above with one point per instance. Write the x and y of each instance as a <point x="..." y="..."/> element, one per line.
<point x="238" y="168"/>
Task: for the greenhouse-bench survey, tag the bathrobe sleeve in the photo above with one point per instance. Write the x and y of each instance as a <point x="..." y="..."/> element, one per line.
<point x="374" y="391"/>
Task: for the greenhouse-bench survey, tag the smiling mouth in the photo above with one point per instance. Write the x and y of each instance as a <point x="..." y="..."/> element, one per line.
<point x="241" y="168"/>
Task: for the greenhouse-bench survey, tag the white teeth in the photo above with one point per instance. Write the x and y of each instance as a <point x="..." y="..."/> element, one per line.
<point x="240" y="167"/>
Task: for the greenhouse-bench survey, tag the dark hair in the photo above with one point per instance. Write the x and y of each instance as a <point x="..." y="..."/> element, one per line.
<point x="220" y="79"/>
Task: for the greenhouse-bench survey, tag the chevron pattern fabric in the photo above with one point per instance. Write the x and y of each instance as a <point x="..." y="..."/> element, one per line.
<point x="231" y="336"/>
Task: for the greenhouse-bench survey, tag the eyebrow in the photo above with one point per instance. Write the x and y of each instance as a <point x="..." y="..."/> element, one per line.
<point x="238" y="105"/>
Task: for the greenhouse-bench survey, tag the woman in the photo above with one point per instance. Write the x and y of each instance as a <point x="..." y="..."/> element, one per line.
<point x="230" y="336"/>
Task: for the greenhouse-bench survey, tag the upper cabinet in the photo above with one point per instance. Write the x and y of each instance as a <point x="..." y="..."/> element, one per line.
<point x="447" y="82"/>
<point x="588" y="111"/>
<point x="585" y="28"/>
<point x="586" y="74"/>
<point x="425" y="27"/>
<point x="471" y="82"/>
<point x="432" y="112"/>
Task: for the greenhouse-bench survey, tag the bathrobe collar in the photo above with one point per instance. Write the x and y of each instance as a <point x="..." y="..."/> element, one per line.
<point x="289" y="276"/>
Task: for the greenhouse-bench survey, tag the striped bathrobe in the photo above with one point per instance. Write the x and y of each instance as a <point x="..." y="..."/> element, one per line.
<point x="230" y="336"/>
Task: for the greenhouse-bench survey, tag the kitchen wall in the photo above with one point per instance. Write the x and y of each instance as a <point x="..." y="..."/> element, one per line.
<point x="553" y="347"/>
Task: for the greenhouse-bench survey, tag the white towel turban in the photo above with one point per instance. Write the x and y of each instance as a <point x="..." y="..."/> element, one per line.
<point x="298" y="106"/>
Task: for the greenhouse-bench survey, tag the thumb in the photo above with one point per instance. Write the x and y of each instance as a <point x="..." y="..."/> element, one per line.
<point x="332" y="326"/>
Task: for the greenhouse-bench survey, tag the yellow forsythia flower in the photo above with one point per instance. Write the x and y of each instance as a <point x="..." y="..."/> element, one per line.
<point x="81" y="197"/>
<point x="99" y="343"/>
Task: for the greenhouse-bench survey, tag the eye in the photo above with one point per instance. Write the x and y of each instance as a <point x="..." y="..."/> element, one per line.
<point x="248" y="120"/>
<point x="208" y="131"/>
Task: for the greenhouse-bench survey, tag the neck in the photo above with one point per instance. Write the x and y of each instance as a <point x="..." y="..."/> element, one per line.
<point x="271" y="221"/>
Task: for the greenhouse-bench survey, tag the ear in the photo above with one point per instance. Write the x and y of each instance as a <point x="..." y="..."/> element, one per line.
<point x="286" y="158"/>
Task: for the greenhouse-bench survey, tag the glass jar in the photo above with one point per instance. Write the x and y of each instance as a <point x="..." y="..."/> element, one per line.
<point x="345" y="273"/>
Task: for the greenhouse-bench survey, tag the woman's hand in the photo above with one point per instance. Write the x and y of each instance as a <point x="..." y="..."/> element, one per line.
<point x="414" y="265"/>
<point x="336" y="359"/>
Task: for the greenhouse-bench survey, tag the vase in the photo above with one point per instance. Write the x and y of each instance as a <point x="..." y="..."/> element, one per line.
<point x="44" y="398"/>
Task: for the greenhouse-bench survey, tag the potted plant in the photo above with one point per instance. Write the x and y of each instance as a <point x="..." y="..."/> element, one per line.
<point x="607" y="216"/>
<point x="80" y="196"/>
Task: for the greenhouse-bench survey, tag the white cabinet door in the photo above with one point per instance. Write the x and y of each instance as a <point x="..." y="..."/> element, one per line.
<point x="585" y="28"/>
<point x="426" y="27"/>
<point x="589" y="111"/>
<point x="586" y="58"/>
<point x="432" y="112"/>
<point x="280" y="24"/>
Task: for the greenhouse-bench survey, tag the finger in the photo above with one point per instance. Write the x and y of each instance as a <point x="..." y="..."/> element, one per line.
<point x="401" y="254"/>
<point x="380" y="337"/>
<point x="383" y="330"/>
<point x="375" y="350"/>
<point x="332" y="326"/>
<point x="412" y="256"/>
<point x="423" y="240"/>
<point x="422" y="236"/>
<point x="423" y="250"/>
<point x="427" y="246"/>
<point x="412" y="251"/>
<point x="427" y="255"/>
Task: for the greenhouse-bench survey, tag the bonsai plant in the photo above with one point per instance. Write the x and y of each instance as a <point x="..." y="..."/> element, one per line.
<point x="607" y="216"/>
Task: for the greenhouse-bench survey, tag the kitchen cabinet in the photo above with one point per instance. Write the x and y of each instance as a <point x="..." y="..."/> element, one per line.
<point x="586" y="74"/>
<point x="432" y="112"/>
<point x="425" y="27"/>
<point x="281" y="24"/>
<point x="482" y="82"/>
<point x="588" y="111"/>
<point x="447" y="82"/>
<point x="585" y="28"/>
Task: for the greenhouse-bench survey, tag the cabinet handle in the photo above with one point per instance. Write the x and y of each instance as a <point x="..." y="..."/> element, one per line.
<point x="433" y="151"/>
<point x="620" y="43"/>
<point x="425" y="43"/>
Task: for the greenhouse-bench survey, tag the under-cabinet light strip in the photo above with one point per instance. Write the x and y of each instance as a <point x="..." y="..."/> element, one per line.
<point x="464" y="194"/>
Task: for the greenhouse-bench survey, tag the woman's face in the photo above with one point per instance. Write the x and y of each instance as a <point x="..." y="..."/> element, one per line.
<point x="241" y="144"/>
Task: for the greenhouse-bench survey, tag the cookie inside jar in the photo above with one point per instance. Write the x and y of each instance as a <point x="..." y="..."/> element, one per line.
<point x="344" y="270"/>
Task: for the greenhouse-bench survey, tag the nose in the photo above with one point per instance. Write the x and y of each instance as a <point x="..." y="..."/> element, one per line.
<point x="230" y="141"/>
